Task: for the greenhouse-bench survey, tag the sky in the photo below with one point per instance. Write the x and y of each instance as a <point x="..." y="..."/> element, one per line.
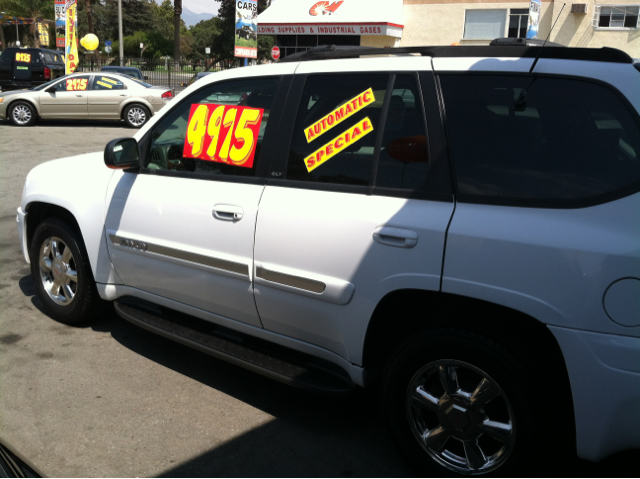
<point x="200" y="6"/>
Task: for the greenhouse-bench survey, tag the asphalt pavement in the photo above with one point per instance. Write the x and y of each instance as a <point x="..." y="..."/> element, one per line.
<point x="112" y="400"/>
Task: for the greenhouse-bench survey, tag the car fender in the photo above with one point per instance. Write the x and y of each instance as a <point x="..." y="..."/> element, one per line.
<point x="19" y="97"/>
<point x="142" y="101"/>
<point x="79" y="184"/>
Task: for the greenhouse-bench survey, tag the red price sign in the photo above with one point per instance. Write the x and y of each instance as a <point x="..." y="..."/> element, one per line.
<point x="223" y="133"/>
<point x="275" y="53"/>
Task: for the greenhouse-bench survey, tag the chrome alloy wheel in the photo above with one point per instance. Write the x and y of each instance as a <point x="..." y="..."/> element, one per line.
<point x="58" y="271"/>
<point x="21" y="114"/>
<point x="136" y="116"/>
<point x="460" y="417"/>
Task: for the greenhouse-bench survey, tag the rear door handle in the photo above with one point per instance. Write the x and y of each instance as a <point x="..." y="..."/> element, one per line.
<point x="228" y="212"/>
<point x="398" y="237"/>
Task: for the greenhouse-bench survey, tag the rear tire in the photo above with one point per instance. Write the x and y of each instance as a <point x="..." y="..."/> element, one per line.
<point x="22" y="113"/>
<point x="135" y="116"/>
<point x="62" y="273"/>
<point x="459" y="404"/>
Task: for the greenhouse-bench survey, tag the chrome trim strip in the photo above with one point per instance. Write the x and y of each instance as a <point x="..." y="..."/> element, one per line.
<point x="183" y="255"/>
<point x="290" y="280"/>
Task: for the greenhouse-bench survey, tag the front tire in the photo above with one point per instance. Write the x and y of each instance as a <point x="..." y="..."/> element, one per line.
<point x="459" y="404"/>
<point x="135" y="116"/>
<point x="22" y="113"/>
<point x="62" y="273"/>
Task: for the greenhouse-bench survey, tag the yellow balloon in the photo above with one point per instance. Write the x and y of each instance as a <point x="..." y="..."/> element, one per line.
<point x="90" y="41"/>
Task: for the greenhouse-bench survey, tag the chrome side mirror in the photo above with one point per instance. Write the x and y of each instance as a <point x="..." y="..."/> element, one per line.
<point x="121" y="154"/>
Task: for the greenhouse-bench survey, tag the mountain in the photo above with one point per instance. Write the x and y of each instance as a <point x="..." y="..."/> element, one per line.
<point x="190" y="18"/>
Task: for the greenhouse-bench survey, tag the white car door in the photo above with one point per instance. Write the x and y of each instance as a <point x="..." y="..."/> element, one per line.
<point x="183" y="227"/>
<point x="352" y="220"/>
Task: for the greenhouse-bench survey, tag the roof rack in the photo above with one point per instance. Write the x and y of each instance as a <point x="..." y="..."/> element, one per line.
<point x="508" y="49"/>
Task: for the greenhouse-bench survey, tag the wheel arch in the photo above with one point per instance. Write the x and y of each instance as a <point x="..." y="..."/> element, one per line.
<point x="135" y="101"/>
<point x="38" y="211"/>
<point x="402" y="313"/>
<point x="34" y="104"/>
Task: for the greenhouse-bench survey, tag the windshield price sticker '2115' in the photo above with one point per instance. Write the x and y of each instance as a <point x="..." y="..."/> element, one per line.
<point x="23" y="57"/>
<point x="339" y="143"/>
<point x="223" y="133"/>
<point x="77" y="84"/>
<point x="340" y="114"/>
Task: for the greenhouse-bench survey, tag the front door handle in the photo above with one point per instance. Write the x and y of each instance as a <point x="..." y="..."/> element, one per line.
<point x="79" y="96"/>
<point x="228" y="212"/>
<point x="398" y="237"/>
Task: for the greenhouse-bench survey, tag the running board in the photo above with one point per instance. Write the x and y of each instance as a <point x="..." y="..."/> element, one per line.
<point x="274" y="361"/>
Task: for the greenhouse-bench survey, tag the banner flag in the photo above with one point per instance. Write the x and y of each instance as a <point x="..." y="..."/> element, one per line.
<point x="534" y="18"/>
<point x="246" y="29"/>
<point x="71" y="37"/>
<point x="60" y="23"/>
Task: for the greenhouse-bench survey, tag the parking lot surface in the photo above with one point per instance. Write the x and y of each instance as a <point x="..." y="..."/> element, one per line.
<point x="110" y="399"/>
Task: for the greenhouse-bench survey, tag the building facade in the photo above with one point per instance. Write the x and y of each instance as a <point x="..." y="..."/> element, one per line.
<point x="301" y="24"/>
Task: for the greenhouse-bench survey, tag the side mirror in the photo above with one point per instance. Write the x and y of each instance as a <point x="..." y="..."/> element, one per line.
<point x="145" y="78"/>
<point x="51" y="89"/>
<point x="121" y="154"/>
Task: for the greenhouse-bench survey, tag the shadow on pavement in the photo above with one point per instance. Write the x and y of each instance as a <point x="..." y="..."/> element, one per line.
<point x="310" y="434"/>
<point x="74" y="124"/>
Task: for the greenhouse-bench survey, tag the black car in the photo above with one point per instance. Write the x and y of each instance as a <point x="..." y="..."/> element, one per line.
<point x="29" y="67"/>
<point x="129" y="71"/>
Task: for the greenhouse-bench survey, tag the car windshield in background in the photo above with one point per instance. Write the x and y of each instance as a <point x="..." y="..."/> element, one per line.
<point x="128" y="77"/>
<point x="48" y="84"/>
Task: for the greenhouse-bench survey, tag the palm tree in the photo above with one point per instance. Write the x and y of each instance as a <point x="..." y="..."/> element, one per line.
<point x="177" y="11"/>
<point x="31" y="9"/>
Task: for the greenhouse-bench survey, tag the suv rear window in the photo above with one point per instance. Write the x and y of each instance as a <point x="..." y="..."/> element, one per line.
<point x="538" y="138"/>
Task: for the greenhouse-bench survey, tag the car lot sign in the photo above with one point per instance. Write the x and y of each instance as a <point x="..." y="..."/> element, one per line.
<point x="71" y="38"/>
<point x="60" y="23"/>
<point x="246" y="31"/>
<point x="275" y="53"/>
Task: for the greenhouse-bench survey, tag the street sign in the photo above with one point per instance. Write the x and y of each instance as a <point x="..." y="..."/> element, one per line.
<point x="107" y="43"/>
<point x="207" y="50"/>
<point x="275" y="53"/>
<point x="107" y="48"/>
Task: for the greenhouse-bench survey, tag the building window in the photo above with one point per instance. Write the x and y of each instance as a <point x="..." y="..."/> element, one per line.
<point x="518" y="20"/>
<point x="484" y="24"/>
<point x="618" y="16"/>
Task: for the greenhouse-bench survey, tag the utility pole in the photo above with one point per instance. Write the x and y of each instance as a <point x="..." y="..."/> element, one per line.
<point x="120" y="33"/>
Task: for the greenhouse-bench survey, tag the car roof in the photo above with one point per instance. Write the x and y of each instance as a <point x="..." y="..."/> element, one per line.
<point x="108" y="67"/>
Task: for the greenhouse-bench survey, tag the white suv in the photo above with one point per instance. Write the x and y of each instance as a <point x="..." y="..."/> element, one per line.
<point x="458" y="228"/>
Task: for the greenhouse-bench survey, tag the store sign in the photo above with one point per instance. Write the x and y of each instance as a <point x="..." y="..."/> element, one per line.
<point x="60" y="22"/>
<point x="331" y="29"/>
<point x="43" y="34"/>
<point x="246" y="32"/>
<point x="324" y="8"/>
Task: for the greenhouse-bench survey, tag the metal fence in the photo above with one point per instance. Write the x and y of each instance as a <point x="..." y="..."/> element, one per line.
<point x="160" y="72"/>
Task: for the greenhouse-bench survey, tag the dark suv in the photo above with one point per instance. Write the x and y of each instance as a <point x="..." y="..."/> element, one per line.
<point x="29" y="67"/>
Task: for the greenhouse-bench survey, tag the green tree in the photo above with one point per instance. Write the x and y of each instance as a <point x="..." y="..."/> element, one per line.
<point x="33" y="9"/>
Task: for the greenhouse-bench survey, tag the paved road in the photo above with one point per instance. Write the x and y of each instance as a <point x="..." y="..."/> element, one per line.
<point x="110" y="399"/>
<point x="113" y="400"/>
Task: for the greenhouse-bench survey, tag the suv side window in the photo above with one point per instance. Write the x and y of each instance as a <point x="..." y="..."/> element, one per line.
<point x="107" y="83"/>
<point x="404" y="161"/>
<point x="335" y="130"/>
<point x="217" y="130"/>
<point x="541" y="138"/>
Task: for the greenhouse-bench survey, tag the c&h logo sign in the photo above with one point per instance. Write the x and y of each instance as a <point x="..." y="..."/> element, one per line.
<point x="324" y="8"/>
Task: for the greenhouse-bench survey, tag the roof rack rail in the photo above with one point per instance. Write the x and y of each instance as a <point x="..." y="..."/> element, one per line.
<point x="523" y="42"/>
<point x="496" y="50"/>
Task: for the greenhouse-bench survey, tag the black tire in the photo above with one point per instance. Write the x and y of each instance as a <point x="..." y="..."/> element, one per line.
<point x="85" y="302"/>
<point x="523" y="402"/>
<point x="22" y="113"/>
<point x="131" y="112"/>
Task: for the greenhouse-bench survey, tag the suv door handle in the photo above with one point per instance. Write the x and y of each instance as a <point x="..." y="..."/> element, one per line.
<point x="398" y="237"/>
<point x="228" y="212"/>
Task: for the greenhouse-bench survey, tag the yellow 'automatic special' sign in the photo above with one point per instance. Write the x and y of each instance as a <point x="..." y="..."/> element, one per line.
<point x="340" y="114"/>
<point x="339" y="143"/>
